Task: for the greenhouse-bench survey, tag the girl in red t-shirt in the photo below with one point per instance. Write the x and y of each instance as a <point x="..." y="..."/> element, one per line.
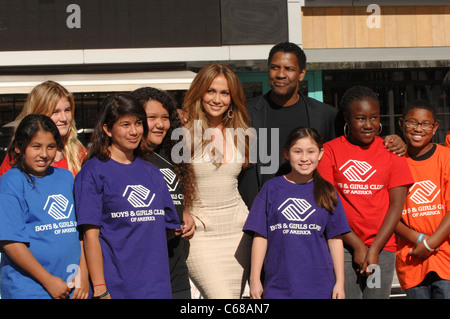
<point x="423" y="251"/>
<point x="372" y="183"/>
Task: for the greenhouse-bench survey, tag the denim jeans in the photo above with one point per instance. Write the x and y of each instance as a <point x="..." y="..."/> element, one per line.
<point x="376" y="286"/>
<point x="432" y="287"/>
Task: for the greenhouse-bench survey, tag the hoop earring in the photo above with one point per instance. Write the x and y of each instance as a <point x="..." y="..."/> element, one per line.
<point x="346" y="126"/>
<point x="230" y="112"/>
<point x="380" y="129"/>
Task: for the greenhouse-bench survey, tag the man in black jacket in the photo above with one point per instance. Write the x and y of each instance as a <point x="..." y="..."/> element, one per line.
<point x="278" y="112"/>
<point x="283" y="109"/>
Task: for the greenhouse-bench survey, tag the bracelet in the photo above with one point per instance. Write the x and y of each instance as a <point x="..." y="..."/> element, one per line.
<point x="101" y="296"/>
<point x="418" y="239"/>
<point x="426" y="245"/>
<point x="99" y="285"/>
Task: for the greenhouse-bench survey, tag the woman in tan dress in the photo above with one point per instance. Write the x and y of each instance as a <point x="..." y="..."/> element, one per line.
<point x="219" y="253"/>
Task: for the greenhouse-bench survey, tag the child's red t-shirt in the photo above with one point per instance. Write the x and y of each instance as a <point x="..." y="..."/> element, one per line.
<point x="427" y="202"/>
<point x="363" y="177"/>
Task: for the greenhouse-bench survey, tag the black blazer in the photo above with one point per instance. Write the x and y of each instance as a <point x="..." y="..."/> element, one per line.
<point x="321" y="116"/>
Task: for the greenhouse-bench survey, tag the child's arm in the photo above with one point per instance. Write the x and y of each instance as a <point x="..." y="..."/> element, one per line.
<point x="81" y="280"/>
<point x="94" y="260"/>
<point x="22" y="256"/>
<point x="337" y="254"/>
<point x="441" y="233"/>
<point x="394" y="143"/>
<point x="359" y="249"/>
<point x="405" y="232"/>
<point x="397" y="197"/>
<point x="259" y="248"/>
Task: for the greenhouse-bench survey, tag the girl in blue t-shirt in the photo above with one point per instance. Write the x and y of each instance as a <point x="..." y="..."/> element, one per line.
<point x="297" y="220"/>
<point x="124" y="207"/>
<point x="38" y="233"/>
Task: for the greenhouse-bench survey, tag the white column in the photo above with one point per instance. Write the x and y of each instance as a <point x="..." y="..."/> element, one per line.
<point x="294" y="8"/>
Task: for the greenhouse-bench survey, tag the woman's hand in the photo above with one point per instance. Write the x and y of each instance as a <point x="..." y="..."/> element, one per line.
<point x="188" y="229"/>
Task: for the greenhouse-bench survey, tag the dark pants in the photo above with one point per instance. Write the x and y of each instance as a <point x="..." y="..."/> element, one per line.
<point x="184" y="294"/>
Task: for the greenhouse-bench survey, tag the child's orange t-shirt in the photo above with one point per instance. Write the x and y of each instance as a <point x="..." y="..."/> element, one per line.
<point x="427" y="202"/>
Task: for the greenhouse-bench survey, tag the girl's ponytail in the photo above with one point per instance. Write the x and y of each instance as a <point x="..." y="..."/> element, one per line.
<point x="324" y="192"/>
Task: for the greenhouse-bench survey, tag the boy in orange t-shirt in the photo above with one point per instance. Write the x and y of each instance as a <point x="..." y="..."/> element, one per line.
<point x="423" y="242"/>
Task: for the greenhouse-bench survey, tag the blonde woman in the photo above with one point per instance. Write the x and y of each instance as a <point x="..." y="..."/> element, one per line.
<point x="52" y="99"/>
<point x="219" y="253"/>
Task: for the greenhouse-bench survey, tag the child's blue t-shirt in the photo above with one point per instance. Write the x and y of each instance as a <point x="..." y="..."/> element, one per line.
<point x="132" y="205"/>
<point x="42" y="216"/>
<point x="298" y="263"/>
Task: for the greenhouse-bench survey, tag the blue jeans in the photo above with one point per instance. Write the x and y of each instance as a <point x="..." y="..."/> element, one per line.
<point x="432" y="287"/>
<point x="376" y="286"/>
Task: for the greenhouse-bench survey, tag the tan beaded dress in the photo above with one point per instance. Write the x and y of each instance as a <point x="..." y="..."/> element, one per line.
<point x="219" y="253"/>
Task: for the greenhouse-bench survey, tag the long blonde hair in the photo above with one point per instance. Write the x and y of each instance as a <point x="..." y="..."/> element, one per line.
<point x="42" y="100"/>
<point x="193" y="102"/>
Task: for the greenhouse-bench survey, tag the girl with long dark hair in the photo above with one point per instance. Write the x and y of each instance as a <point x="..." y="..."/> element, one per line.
<point x="124" y="207"/>
<point x="297" y="221"/>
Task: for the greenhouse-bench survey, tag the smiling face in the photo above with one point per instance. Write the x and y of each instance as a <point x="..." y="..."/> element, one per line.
<point x="419" y="127"/>
<point x="158" y="122"/>
<point x="40" y="153"/>
<point x="62" y="116"/>
<point x="125" y="135"/>
<point x="304" y="156"/>
<point x="217" y="99"/>
<point x="363" y="119"/>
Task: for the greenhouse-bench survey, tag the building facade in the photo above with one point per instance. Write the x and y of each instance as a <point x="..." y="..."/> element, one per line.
<point x="398" y="48"/>
<point x="95" y="47"/>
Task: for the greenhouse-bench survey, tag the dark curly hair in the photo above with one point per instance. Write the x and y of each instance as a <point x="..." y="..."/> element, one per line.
<point x="183" y="170"/>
